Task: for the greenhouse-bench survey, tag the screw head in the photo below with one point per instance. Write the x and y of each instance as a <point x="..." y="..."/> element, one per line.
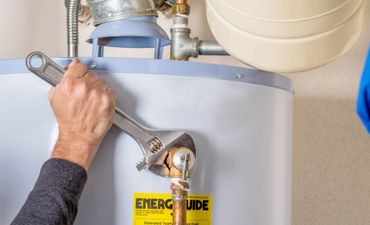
<point x="93" y="65"/>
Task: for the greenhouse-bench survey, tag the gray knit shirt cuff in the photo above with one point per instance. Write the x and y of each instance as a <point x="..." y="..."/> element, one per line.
<point x="62" y="174"/>
<point x="55" y="196"/>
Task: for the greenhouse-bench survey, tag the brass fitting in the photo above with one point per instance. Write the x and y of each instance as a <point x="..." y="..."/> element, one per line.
<point x="182" y="8"/>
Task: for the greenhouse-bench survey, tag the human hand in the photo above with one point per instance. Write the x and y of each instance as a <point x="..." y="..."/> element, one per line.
<point x="84" y="109"/>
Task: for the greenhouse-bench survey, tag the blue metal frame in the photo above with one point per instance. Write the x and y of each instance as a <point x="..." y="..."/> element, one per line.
<point x="165" y="67"/>
<point x="134" y="32"/>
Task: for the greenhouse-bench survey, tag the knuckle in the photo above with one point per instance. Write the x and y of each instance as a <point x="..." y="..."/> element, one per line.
<point x="67" y="74"/>
<point x="93" y="74"/>
<point x="81" y="67"/>
<point x="76" y="71"/>
<point x="101" y="84"/>
<point x="112" y="94"/>
<point x="92" y="77"/>
<point x="66" y="84"/>
<point x="94" y="94"/>
<point x="82" y="87"/>
<point x="70" y="71"/>
<point x="105" y="99"/>
<point x="98" y="83"/>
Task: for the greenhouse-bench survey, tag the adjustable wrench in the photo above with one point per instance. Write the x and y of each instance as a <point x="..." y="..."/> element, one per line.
<point x="162" y="150"/>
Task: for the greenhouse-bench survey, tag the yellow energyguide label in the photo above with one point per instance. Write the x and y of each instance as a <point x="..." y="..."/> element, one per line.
<point x="156" y="209"/>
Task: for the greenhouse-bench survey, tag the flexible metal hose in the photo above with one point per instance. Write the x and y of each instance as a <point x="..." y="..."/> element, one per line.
<point x="72" y="27"/>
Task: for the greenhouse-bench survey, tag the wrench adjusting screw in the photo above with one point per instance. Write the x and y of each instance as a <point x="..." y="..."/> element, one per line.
<point x="155" y="145"/>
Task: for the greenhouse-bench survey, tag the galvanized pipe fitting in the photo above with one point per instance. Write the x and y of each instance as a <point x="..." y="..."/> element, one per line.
<point x="183" y="46"/>
<point x="110" y="10"/>
<point x="211" y="48"/>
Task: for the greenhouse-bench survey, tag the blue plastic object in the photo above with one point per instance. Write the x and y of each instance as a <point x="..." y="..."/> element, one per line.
<point x="133" y="32"/>
<point x="363" y="100"/>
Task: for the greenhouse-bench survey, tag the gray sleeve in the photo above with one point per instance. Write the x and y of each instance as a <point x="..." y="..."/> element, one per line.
<point x="54" y="198"/>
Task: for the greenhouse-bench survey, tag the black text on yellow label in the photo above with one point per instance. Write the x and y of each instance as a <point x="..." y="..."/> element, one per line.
<point x="156" y="209"/>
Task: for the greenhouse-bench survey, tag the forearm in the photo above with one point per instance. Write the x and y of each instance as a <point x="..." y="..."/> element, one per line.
<point x="55" y="196"/>
<point x="84" y="109"/>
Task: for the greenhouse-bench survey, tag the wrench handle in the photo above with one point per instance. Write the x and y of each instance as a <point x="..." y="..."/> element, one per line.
<point x="45" y="68"/>
<point x="51" y="72"/>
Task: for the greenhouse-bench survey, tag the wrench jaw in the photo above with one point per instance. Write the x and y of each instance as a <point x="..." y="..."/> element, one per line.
<point x="162" y="162"/>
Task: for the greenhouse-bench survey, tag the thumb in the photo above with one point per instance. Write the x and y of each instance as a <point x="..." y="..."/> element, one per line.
<point x="74" y="62"/>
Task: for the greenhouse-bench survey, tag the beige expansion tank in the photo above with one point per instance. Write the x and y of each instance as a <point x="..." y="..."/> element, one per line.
<point x="286" y="35"/>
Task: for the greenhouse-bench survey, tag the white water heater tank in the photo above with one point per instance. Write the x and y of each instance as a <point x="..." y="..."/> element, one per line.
<point x="240" y="120"/>
<point x="286" y="35"/>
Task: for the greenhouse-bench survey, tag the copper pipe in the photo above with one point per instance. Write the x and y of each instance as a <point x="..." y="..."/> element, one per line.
<point x="179" y="197"/>
<point x="181" y="1"/>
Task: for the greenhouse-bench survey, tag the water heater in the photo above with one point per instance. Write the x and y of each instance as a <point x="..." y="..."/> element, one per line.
<point x="239" y="118"/>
